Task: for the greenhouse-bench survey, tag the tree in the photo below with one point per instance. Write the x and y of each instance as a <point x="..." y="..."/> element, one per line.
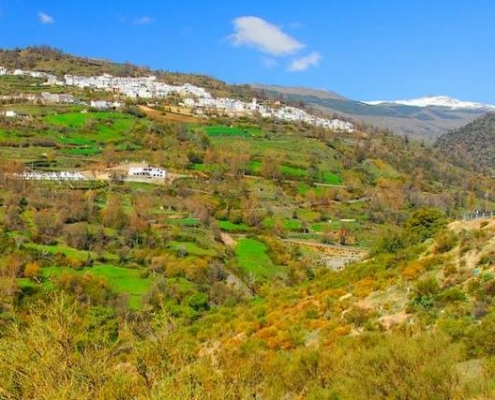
<point x="424" y="223"/>
<point x="10" y="267"/>
<point x="113" y="215"/>
<point x="78" y="236"/>
<point x="270" y="166"/>
<point x="48" y="224"/>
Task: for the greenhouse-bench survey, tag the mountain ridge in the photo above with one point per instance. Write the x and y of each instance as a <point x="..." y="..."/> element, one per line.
<point x="435" y="101"/>
<point x="473" y="143"/>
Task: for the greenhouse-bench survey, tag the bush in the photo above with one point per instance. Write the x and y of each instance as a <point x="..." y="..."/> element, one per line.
<point x="445" y="242"/>
<point x="425" y="293"/>
<point x="423" y="224"/>
<point x="452" y="294"/>
<point x="198" y="302"/>
<point x="391" y="242"/>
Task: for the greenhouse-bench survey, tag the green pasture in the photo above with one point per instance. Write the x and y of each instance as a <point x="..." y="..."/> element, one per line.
<point x="252" y="258"/>
<point x="108" y="126"/>
<point x="224" y="130"/>
<point x="121" y="280"/>
<point x="191" y="248"/>
<point x="231" y="227"/>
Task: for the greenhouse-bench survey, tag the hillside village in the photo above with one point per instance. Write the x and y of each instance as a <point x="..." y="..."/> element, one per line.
<point x="193" y="97"/>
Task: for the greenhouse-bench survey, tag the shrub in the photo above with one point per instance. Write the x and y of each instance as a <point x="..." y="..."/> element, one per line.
<point x="445" y="242"/>
<point x="198" y="302"/>
<point x="390" y="242"/>
<point x="452" y="294"/>
<point x="424" y="223"/>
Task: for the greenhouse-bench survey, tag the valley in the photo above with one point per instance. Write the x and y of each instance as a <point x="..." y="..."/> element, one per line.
<point x="151" y="251"/>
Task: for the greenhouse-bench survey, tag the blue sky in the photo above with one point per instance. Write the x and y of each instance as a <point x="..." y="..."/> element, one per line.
<point x="363" y="49"/>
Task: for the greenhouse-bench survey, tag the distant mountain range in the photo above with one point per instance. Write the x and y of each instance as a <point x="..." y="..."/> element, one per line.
<point x="437" y="101"/>
<point x="425" y="118"/>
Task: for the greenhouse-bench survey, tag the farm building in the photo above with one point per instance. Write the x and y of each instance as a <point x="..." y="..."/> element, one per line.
<point x="51" y="176"/>
<point x="57" y="98"/>
<point x="147" y="172"/>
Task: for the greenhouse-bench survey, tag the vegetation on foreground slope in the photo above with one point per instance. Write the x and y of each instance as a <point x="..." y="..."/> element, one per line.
<point x="473" y="143"/>
<point x="212" y="285"/>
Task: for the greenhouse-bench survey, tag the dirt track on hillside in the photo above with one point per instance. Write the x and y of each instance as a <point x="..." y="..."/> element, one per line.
<point x="167" y="116"/>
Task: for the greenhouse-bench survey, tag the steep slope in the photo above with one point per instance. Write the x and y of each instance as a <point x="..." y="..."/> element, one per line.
<point x="474" y="142"/>
<point x="421" y="119"/>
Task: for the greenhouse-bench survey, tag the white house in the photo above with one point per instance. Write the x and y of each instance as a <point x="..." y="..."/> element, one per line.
<point x="188" y="102"/>
<point x="147" y="172"/>
<point x="10" y="114"/>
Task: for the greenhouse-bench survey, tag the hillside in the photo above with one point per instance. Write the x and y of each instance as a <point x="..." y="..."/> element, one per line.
<point x="473" y="143"/>
<point x="146" y="252"/>
<point x="425" y="122"/>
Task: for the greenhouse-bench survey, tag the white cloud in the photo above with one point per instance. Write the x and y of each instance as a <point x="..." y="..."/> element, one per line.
<point x="45" y="18"/>
<point x="143" y="20"/>
<point x="264" y="36"/>
<point x="303" y="63"/>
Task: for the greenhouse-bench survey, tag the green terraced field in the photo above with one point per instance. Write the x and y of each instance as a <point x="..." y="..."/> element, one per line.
<point x="121" y="280"/>
<point x="252" y="258"/>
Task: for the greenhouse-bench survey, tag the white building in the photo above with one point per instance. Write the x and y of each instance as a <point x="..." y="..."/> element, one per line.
<point x="147" y="172"/>
<point x="10" y="114"/>
<point x="51" y="176"/>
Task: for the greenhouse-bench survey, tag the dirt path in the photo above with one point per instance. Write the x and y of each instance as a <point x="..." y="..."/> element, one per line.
<point x="167" y="116"/>
<point x="227" y="239"/>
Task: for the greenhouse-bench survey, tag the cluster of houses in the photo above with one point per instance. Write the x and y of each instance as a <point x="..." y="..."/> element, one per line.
<point x="49" y="78"/>
<point x="146" y="87"/>
<point x="193" y="97"/>
<point x="284" y="113"/>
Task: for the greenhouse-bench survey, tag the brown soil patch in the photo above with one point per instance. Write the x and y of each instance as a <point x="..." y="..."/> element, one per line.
<point x="168" y="116"/>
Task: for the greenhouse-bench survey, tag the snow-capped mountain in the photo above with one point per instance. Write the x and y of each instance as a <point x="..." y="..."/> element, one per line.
<point x="437" y="101"/>
<point x="425" y="118"/>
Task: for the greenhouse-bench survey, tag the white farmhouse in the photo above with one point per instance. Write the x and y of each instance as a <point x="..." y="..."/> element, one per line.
<point x="10" y="114"/>
<point x="147" y="172"/>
